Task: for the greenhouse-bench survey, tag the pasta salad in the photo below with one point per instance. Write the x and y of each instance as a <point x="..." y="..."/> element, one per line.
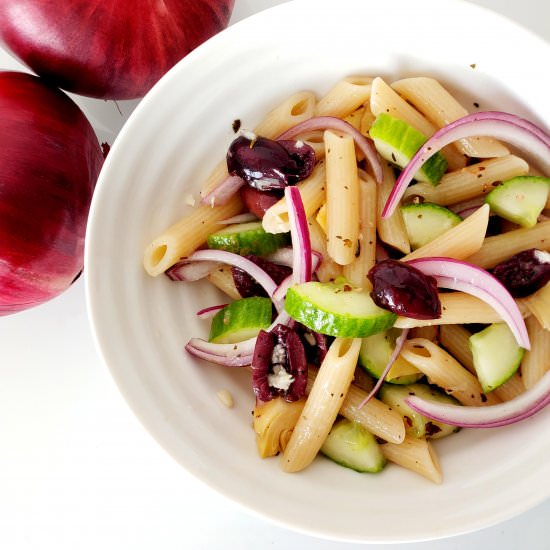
<point x="385" y="254"/>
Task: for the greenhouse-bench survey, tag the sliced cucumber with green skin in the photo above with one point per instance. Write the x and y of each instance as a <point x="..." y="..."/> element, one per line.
<point x="520" y="199"/>
<point x="337" y="309"/>
<point x="397" y="142"/>
<point x="240" y="320"/>
<point x="425" y="221"/>
<point x="416" y="424"/>
<point x="375" y="354"/>
<point x="496" y="355"/>
<point x="351" y="445"/>
<point x="247" y="238"/>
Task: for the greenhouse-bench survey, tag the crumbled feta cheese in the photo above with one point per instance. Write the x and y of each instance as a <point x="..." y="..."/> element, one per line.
<point x="280" y="378"/>
<point x="278" y="355"/>
<point x="248" y="135"/>
<point x="542" y="256"/>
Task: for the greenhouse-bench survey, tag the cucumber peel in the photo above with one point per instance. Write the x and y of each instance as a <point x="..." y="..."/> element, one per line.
<point x="520" y="199"/>
<point x="397" y="142"/>
<point x="425" y="221"/>
<point x="241" y="320"/>
<point x="247" y="238"/>
<point x="337" y="309"/>
<point x="496" y="355"/>
<point x="352" y="446"/>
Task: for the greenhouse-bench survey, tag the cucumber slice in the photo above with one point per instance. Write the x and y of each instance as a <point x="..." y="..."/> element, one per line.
<point x="375" y="353"/>
<point x="425" y="221"/>
<point x="351" y="445"/>
<point x="240" y="320"/>
<point x="247" y="238"/>
<point x="397" y="142"/>
<point x="496" y="355"/>
<point x="520" y="199"/>
<point x="416" y="424"/>
<point x="337" y="309"/>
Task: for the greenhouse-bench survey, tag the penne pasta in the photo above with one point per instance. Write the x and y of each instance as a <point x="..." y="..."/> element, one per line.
<point x="357" y="271"/>
<point x="377" y="417"/>
<point x="345" y="96"/>
<point x="312" y="192"/>
<point x="459" y="242"/>
<point x="342" y="198"/>
<point x="391" y="230"/>
<point x="328" y="270"/>
<point x="385" y="100"/>
<point x="469" y="182"/>
<point x="458" y="308"/>
<point x="322" y="405"/>
<point x="445" y="371"/>
<point x="536" y="361"/>
<point x="501" y="247"/>
<point x="441" y="107"/>
<point x="222" y="279"/>
<point x="417" y="455"/>
<point x="186" y="235"/>
<point x="539" y="305"/>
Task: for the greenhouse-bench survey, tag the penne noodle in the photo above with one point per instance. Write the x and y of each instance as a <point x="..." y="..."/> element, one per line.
<point x="391" y="230"/>
<point x="445" y="371"/>
<point x="377" y="417"/>
<point x="539" y="305"/>
<point x="498" y="248"/>
<point x="417" y="455"/>
<point x="222" y="278"/>
<point x="367" y="119"/>
<point x="186" y="235"/>
<point x="441" y="108"/>
<point x="357" y="271"/>
<point x="322" y="405"/>
<point x="345" y="96"/>
<point x="355" y="118"/>
<point x="459" y="242"/>
<point x="385" y="100"/>
<point x="458" y="308"/>
<point x="342" y="198"/>
<point x="469" y="182"/>
<point x="328" y="270"/>
<point x="536" y="361"/>
<point x="512" y="388"/>
<point x="312" y="192"/>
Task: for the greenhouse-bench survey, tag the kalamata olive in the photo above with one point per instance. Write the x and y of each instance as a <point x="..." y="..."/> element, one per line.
<point x="525" y="272"/>
<point x="268" y="164"/>
<point x="279" y="366"/>
<point x="247" y="285"/>
<point x="404" y="290"/>
<point x="258" y="202"/>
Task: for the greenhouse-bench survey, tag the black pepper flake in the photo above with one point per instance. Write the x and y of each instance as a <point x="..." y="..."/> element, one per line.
<point x="473" y="65"/>
<point x="236" y="125"/>
<point x="476" y="104"/>
<point x="393" y="157"/>
<point x="483" y="398"/>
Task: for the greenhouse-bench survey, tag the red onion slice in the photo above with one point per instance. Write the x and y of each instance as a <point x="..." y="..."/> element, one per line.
<point x="209" y="312"/>
<point x="505" y="126"/>
<point x="222" y="256"/>
<point x="525" y="405"/>
<point x="299" y="234"/>
<point x="395" y="353"/>
<point x="333" y="123"/>
<point x="230" y="355"/>
<point x="186" y="270"/>
<point x="465" y="277"/>
<point x="223" y="191"/>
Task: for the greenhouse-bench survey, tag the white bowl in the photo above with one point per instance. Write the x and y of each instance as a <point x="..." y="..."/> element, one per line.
<point x="171" y="142"/>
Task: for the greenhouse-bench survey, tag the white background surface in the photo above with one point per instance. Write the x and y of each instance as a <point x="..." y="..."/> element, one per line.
<point x="78" y="471"/>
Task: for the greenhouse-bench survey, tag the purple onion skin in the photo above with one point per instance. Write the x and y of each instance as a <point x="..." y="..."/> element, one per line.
<point x="404" y="290"/>
<point x="296" y="364"/>
<point x="247" y="285"/>
<point x="523" y="273"/>
<point x="267" y="165"/>
<point x="104" y="48"/>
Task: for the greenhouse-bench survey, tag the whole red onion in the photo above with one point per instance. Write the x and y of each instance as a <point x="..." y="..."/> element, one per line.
<point x="111" y="49"/>
<point x="50" y="159"/>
